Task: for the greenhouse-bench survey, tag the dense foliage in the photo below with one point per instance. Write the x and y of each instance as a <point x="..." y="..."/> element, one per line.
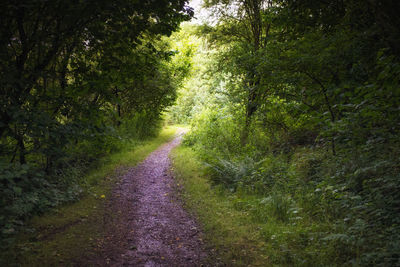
<point x="76" y="77"/>
<point x="297" y="103"/>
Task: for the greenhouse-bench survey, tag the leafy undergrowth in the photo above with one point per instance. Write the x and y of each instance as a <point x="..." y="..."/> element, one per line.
<point x="65" y="235"/>
<point x="244" y="229"/>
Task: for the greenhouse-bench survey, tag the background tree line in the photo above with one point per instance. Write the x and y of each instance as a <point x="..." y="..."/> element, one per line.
<point x="295" y="110"/>
<point x="77" y="78"/>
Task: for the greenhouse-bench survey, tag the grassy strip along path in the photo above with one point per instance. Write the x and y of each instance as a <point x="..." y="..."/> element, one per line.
<point x="63" y="236"/>
<point x="234" y="239"/>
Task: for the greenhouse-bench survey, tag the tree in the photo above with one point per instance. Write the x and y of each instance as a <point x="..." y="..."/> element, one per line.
<point x="51" y="48"/>
<point x="249" y="23"/>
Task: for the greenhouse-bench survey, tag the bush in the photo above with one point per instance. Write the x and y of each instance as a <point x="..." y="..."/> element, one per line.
<point x="353" y="195"/>
<point x="26" y="190"/>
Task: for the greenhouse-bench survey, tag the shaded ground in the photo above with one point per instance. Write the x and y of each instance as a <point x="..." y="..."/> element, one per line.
<point x="149" y="227"/>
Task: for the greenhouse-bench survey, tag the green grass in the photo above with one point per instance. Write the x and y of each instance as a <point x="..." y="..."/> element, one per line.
<point x="65" y="234"/>
<point x="242" y="229"/>
<point x="234" y="240"/>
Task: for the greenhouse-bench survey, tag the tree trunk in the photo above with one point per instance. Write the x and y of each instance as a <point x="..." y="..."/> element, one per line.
<point x="22" y="151"/>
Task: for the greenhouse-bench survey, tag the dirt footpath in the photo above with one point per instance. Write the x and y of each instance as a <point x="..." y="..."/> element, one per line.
<point x="150" y="227"/>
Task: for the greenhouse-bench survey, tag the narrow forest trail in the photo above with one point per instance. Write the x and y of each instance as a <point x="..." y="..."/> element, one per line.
<point x="149" y="226"/>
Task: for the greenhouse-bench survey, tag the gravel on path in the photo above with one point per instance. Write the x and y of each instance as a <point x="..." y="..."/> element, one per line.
<point x="149" y="226"/>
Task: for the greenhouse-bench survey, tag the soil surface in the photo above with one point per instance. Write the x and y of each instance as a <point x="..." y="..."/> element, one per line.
<point x="149" y="227"/>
